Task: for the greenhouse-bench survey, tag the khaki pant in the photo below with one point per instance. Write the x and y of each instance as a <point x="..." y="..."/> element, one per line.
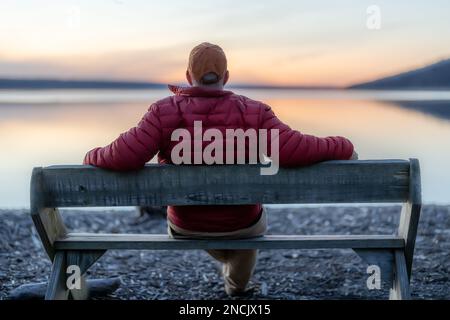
<point x="237" y="265"/>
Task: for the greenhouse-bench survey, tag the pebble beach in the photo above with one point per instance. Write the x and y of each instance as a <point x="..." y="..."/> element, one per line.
<point x="280" y="274"/>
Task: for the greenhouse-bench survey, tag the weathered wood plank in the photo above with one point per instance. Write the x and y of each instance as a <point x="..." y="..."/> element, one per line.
<point x="410" y="215"/>
<point x="327" y="182"/>
<point x="400" y="287"/>
<point x="75" y="241"/>
<point x="83" y="259"/>
<point x="48" y="222"/>
<point x="57" y="289"/>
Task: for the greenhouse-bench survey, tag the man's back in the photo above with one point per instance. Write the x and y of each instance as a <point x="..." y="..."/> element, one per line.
<point x="213" y="109"/>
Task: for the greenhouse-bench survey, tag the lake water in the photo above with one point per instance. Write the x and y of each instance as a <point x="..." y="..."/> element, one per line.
<point x="40" y="128"/>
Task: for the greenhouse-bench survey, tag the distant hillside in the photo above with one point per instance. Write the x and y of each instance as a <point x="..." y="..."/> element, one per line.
<point x="10" y="83"/>
<point x="434" y="76"/>
<point x="75" y="84"/>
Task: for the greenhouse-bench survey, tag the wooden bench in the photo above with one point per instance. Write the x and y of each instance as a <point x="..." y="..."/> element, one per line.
<point x="387" y="181"/>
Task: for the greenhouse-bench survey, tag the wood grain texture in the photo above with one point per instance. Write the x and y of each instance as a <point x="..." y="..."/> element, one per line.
<point x="84" y="259"/>
<point x="410" y="215"/>
<point x="76" y="241"/>
<point x="326" y="182"/>
<point x="400" y="287"/>
<point x="57" y="289"/>
<point x="48" y="222"/>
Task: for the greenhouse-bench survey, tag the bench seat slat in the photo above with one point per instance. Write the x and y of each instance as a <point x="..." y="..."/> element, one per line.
<point x="88" y="241"/>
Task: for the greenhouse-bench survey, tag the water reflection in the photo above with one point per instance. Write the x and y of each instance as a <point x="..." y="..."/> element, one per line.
<point x="439" y="109"/>
<point x="61" y="133"/>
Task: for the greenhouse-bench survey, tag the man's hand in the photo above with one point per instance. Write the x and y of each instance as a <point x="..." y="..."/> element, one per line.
<point x="354" y="156"/>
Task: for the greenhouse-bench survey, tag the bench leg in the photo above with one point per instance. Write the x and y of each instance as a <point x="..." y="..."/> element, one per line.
<point x="57" y="286"/>
<point x="382" y="258"/>
<point x="83" y="259"/>
<point x="400" y="285"/>
<point x="57" y="289"/>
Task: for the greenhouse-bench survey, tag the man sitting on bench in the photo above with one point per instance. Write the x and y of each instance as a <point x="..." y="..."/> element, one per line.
<point x="206" y="101"/>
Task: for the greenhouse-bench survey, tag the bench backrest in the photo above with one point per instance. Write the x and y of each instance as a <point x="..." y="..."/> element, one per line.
<point x="327" y="182"/>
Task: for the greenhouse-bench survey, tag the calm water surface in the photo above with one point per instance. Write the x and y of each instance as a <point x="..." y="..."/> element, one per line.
<point x="40" y="128"/>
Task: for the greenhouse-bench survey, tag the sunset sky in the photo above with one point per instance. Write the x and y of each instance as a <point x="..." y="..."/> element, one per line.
<point x="267" y="42"/>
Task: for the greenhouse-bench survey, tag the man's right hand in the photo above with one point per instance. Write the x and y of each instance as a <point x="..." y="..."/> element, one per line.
<point x="354" y="156"/>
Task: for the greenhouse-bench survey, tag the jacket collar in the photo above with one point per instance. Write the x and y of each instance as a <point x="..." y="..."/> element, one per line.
<point x="197" y="91"/>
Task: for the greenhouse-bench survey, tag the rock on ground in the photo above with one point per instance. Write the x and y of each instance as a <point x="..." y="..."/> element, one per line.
<point x="280" y="274"/>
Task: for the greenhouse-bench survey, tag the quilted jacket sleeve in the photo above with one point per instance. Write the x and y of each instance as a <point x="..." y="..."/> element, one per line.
<point x="132" y="149"/>
<point x="297" y="149"/>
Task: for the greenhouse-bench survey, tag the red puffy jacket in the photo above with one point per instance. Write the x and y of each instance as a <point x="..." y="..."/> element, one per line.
<point x="218" y="109"/>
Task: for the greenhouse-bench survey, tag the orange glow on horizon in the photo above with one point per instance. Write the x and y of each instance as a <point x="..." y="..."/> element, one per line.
<point x="274" y="67"/>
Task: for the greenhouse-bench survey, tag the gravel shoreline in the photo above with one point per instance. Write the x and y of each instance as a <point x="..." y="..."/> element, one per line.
<point x="280" y="274"/>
